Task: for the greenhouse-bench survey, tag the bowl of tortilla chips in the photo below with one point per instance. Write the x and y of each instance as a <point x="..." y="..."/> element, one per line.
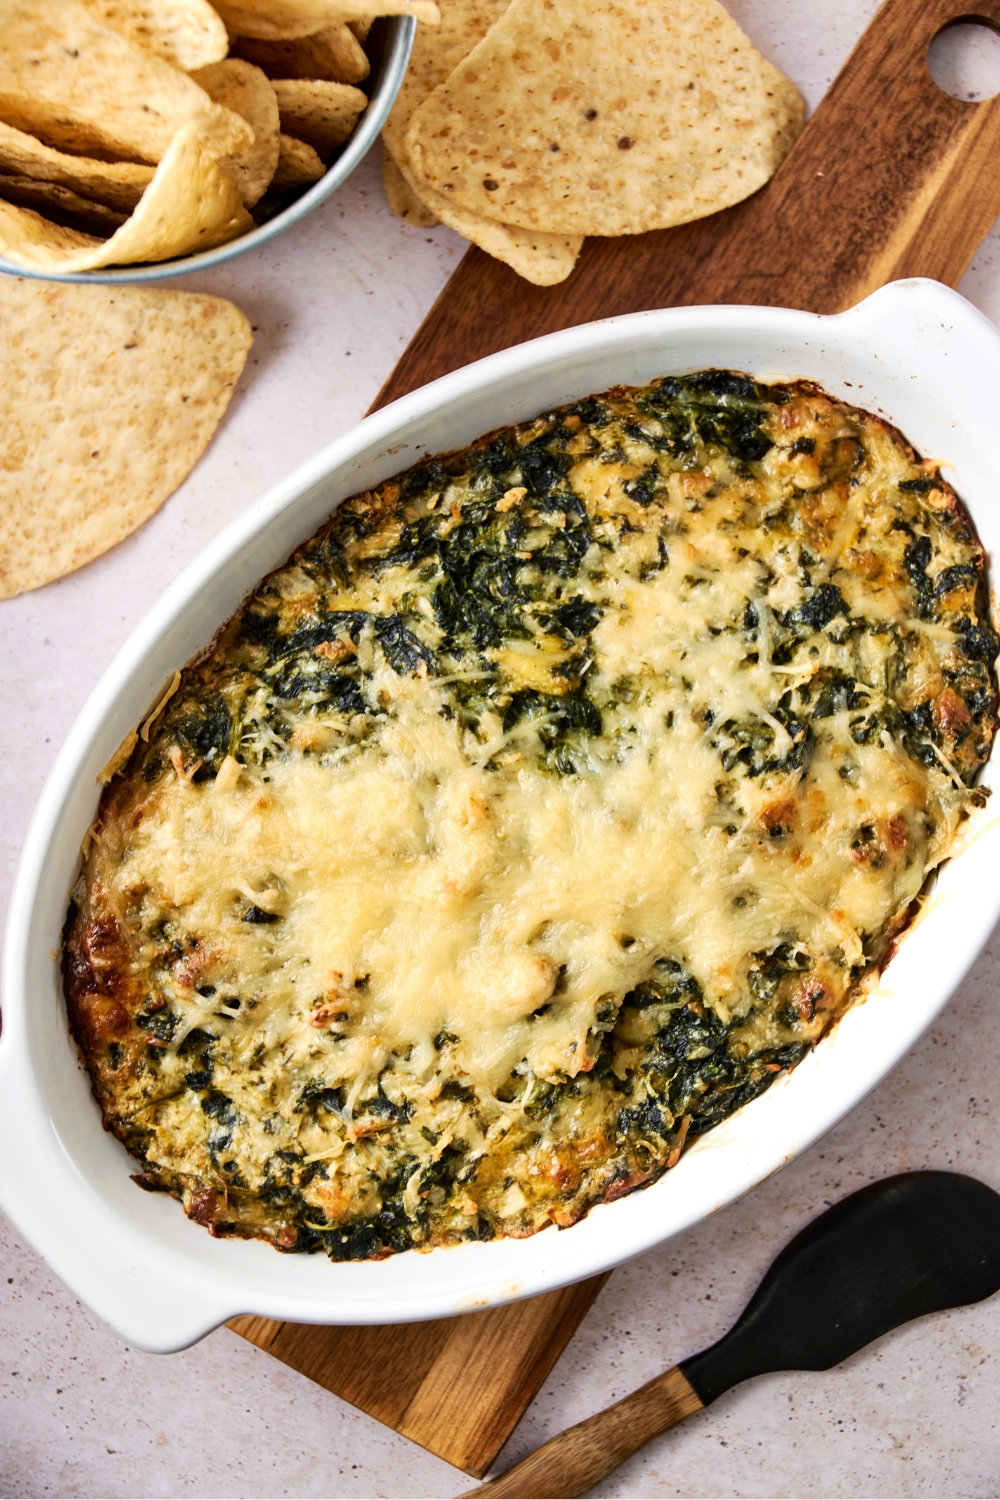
<point x="143" y="138"/>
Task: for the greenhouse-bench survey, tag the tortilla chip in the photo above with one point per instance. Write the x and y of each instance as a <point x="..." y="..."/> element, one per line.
<point x="367" y="10"/>
<point x="435" y="53"/>
<point x="321" y="114"/>
<point x="298" y="164"/>
<point x="83" y="88"/>
<point x="110" y="397"/>
<point x="543" y="259"/>
<point x="540" y="258"/>
<point x="402" y="199"/>
<point x="60" y="204"/>
<point x="190" y="205"/>
<point x="118" y="184"/>
<point x="188" y="34"/>
<point x="334" y="55"/>
<point x="285" y="20"/>
<point x="605" y="117"/>
<point x="361" y="28"/>
<point x="244" y="89"/>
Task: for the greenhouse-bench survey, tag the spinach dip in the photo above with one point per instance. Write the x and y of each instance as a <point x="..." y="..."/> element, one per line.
<point x="550" y="802"/>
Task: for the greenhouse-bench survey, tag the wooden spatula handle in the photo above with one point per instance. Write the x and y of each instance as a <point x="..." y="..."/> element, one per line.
<point x="580" y="1457"/>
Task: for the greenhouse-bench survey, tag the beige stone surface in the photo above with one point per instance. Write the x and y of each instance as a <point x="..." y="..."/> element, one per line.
<point x="918" y="1414"/>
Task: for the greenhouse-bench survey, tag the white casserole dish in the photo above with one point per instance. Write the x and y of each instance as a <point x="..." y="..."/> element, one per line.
<point x="915" y="352"/>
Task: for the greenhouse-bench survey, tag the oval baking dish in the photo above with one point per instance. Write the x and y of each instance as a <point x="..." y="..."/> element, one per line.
<point x="914" y="353"/>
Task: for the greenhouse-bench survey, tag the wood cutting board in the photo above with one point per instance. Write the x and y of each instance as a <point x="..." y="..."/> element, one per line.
<point x="891" y="178"/>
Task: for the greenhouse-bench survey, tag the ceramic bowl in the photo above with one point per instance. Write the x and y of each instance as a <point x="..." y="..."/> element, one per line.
<point x="391" y="54"/>
<point x="915" y="352"/>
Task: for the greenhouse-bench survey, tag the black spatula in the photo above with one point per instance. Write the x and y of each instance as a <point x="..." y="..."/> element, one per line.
<point x="894" y="1251"/>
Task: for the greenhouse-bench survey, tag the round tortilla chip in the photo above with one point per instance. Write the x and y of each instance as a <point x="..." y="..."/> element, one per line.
<point x="605" y="117"/>
<point x="321" y="114"/>
<point x="287" y="20"/>
<point x="188" y="34"/>
<point x="81" y="87"/>
<point x="111" y="395"/>
<point x="119" y="184"/>
<point x="435" y="53"/>
<point x="298" y="165"/>
<point x="190" y="205"/>
<point x="241" y="87"/>
<point x="543" y="259"/>
<point x="367" y="10"/>
<point x="402" y="199"/>
<point x="334" y="55"/>
<point x="61" y="205"/>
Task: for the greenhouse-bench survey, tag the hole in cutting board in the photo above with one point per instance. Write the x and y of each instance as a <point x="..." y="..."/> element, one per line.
<point x="964" y="61"/>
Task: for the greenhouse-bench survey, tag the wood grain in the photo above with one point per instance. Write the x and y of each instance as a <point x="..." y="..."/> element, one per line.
<point x="579" y="1458"/>
<point x="457" y="1386"/>
<point x="890" y="178"/>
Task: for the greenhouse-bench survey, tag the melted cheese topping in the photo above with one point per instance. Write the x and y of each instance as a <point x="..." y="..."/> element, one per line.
<point x="460" y="894"/>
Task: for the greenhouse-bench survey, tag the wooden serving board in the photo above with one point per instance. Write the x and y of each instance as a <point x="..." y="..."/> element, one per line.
<point x="891" y="178"/>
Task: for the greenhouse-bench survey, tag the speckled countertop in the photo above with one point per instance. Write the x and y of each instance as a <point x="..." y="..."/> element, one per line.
<point x="918" y="1413"/>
